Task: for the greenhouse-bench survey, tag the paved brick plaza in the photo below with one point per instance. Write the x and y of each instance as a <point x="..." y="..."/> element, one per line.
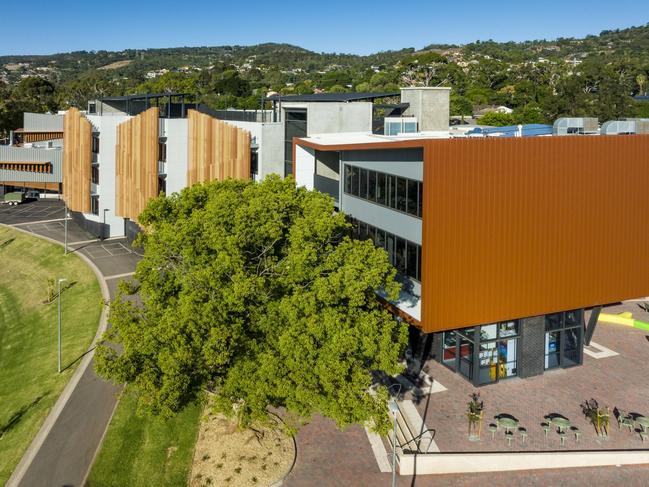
<point x="328" y="457"/>
<point x="621" y="381"/>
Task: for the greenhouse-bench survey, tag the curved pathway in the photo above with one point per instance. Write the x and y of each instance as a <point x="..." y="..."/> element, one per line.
<point x="62" y="452"/>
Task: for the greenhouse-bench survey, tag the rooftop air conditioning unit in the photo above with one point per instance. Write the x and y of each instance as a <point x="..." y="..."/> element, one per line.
<point x="575" y="126"/>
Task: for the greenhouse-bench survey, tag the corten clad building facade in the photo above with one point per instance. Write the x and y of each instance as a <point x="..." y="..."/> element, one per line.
<point x="502" y="243"/>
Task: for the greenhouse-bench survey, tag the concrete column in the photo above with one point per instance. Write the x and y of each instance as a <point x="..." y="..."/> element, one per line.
<point x="531" y="359"/>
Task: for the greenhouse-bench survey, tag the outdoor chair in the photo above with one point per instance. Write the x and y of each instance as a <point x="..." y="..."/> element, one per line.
<point x="493" y="428"/>
<point x="523" y="433"/>
<point x="546" y="428"/>
<point x="643" y="435"/>
<point x="562" y="437"/>
<point x="626" y="421"/>
<point x="509" y="436"/>
<point x="577" y="433"/>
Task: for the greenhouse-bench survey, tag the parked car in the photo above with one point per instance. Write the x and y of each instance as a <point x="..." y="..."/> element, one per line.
<point x="32" y="195"/>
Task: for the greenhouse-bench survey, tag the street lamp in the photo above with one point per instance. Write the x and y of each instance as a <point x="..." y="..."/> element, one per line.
<point x="59" y="281"/>
<point x="65" y="228"/>
<point x="394" y="409"/>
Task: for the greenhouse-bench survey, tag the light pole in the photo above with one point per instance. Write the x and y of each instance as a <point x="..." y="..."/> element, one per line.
<point x="59" y="281"/>
<point x="103" y="228"/>
<point x="65" y="228"/>
<point x="394" y="409"/>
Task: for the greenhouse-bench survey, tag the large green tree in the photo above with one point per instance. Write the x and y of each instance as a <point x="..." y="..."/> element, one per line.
<point x="255" y="293"/>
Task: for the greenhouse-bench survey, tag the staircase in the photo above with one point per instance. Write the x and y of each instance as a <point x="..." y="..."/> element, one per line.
<point x="413" y="436"/>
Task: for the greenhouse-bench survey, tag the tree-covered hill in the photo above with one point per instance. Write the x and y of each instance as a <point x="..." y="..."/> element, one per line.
<point x="540" y="79"/>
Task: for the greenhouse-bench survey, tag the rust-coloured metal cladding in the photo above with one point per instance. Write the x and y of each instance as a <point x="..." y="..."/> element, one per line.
<point x="519" y="227"/>
<point x="527" y="226"/>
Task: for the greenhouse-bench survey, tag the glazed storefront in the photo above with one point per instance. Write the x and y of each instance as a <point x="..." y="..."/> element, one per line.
<point x="487" y="354"/>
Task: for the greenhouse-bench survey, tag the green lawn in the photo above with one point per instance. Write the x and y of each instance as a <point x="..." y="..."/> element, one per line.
<point x="29" y="382"/>
<point x="146" y="451"/>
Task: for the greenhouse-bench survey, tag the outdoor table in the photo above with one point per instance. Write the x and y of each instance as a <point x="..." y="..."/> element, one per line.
<point x="561" y="423"/>
<point x="643" y="421"/>
<point x="507" y="423"/>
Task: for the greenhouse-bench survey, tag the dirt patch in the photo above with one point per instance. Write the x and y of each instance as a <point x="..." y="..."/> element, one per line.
<point x="117" y="65"/>
<point x="227" y="456"/>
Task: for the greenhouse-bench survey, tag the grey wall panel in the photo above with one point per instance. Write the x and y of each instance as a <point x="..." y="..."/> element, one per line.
<point x="42" y="122"/>
<point x="400" y="162"/>
<point x="21" y="154"/>
<point x="387" y="219"/>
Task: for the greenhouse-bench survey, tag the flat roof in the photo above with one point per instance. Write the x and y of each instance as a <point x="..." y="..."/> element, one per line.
<point x="333" y="97"/>
<point x="368" y="139"/>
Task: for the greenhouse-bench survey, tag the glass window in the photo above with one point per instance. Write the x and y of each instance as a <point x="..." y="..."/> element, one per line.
<point x="467" y="332"/>
<point x="411" y="261"/>
<point x="371" y="186"/>
<point x="380" y="238"/>
<point x="94" y="205"/>
<point x="362" y="230"/>
<point x="449" y="352"/>
<point x="573" y="318"/>
<point x="420" y="200"/>
<point x="507" y="329"/>
<point x="389" y="238"/>
<point x="95" y="144"/>
<point x="400" y="255"/>
<point x="466" y="358"/>
<point x="94" y="174"/>
<point x="571" y="347"/>
<point x="488" y="332"/>
<point x="363" y="183"/>
<point x="507" y="358"/>
<point x="355" y="181"/>
<point x="371" y="233"/>
<point x="412" y="197"/>
<point x="418" y="263"/>
<point x="391" y="186"/>
<point x="553" y="321"/>
<point x="401" y="194"/>
<point x="348" y="179"/>
<point x="552" y="349"/>
<point x="380" y="189"/>
<point x="410" y="127"/>
<point x="488" y="363"/>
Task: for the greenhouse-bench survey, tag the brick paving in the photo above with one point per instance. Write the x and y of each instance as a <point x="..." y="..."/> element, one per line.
<point x="329" y="457"/>
<point x="620" y="381"/>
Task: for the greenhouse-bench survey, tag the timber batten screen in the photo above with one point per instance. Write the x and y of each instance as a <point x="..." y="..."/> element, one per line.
<point x="77" y="160"/>
<point x="136" y="168"/>
<point x="216" y="150"/>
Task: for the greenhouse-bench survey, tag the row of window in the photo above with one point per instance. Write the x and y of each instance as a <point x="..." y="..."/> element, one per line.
<point x="402" y="254"/>
<point x="401" y="194"/>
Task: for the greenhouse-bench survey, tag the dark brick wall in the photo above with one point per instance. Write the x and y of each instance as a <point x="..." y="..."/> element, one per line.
<point x="94" y="228"/>
<point x="131" y="230"/>
<point x="532" y="347"/>
<point x="436" y="350"/>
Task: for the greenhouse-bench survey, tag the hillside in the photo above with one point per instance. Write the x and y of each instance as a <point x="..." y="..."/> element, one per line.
<point x="540" y="79"/>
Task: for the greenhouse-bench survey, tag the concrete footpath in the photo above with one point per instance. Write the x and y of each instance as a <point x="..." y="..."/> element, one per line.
<point x="62" y="453"/>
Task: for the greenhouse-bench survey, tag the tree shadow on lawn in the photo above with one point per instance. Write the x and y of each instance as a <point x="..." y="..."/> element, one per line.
<point x="18" y="415"/>
<point x="6" y="243"/>
<point x="77" y="359"/>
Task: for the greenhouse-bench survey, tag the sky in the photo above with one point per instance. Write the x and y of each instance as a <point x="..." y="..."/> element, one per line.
<point x="352" y="26"/>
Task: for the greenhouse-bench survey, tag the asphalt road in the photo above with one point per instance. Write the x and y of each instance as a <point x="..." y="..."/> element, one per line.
<point x="66" y="455"/>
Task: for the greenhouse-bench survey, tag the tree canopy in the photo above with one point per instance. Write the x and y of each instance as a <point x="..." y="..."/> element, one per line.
<point x="255" y="293"/>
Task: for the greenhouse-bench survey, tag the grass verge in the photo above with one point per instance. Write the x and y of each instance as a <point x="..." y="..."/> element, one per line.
<point x="144" y="450"/>
<point x="29" y="382"/>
